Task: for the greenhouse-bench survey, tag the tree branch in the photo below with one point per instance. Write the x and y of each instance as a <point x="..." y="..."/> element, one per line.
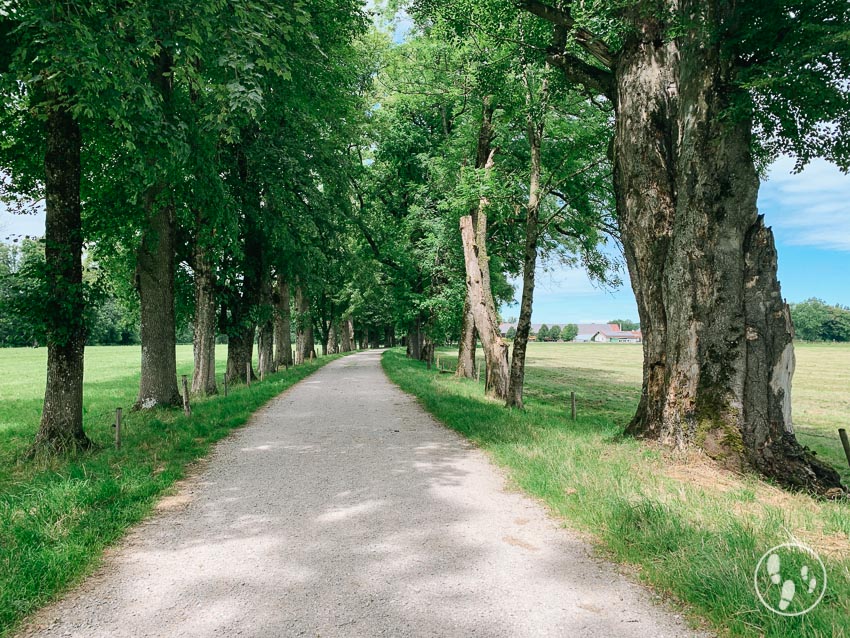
<point x="563" y="18"/>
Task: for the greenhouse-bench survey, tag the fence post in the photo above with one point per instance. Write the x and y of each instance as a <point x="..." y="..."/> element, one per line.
<point x="225" y="383"/>
<point x="842" y="433"/>
<point x="573" y="405"/>
<point x="118" y="428"/>
<point x="248" y="374"/>
<point x="187" y="410"/>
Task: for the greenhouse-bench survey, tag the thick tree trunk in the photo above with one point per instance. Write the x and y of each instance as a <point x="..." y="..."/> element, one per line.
<point x="204" y="325"/>
<point x="345" y="334"/>
<point x="61" y="427"/>
<point x="304" y="342"/>
<point x="332" y="345"/>
<point x="416" y="341"/>
<point x="717" y="338"/>
<point x="644" y="184"/>
<point x="155" y="281"/>
<point x="265" y="348"/>
<point x="265" y="337"/>
<point x="240" y="352"/>
<point x="534" y="132"/>
<point x="282" y="325"/>
<point x="483" y="308"/>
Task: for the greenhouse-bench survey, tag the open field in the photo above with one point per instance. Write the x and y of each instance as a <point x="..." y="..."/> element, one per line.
<point x="693" y="532"/>
<point x="820" y="395"/>
<point x="57" y="517"/>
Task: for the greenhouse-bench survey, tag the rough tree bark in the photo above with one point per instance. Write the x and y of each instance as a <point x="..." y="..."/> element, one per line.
<point x="481" y="299"/>
<point x="346" y="331"/>
<point x="155" y="269"/>
<point x="265" y="337"/>
<point x="466" y="347"/>
<point x="729" y="336"/>
<point x="204" y="325"/>
<point x="304" y="341"/>
<point x="468" y="333"/>
<point x="416" y="340"/>
<point x="534" y="133"/>
<point x="61" y="426"/>
<point x="283" y="324"/>
<point x="240" y="352"/>
<point x="717" y="334"/>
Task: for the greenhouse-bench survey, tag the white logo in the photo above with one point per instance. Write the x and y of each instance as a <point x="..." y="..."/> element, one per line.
<point x="790" y="579"/>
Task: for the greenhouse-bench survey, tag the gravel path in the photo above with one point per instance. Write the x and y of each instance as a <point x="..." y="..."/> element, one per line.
<point x="345" y="510"/>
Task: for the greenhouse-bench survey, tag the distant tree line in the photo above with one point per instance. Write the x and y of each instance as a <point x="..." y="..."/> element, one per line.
<point x="815" y="320"/>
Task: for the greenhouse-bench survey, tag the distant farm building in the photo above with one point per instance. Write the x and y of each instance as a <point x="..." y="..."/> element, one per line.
<point x="587" y="332"/>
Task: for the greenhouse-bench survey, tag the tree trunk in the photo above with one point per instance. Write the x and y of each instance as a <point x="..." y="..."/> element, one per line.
<point x="265" y="348"/>
<point x="240" y="352"/>
<point x="304" y="342"/>
<point x="333" y="339"/>
<point x="717" y="334"/>
<point x="483" y="308"/>
<point x="346" y="334"/>
<point x="466" y="349"/>
<point x="466" y="346"/>
<point x="415" y="341"/>
<point x="644" y="184"/>
<point x="265" y="338"/>
<point x="155" y="281"/>
<point x="61" y="426"/>
<point x="534" y="132"/>
<point x="282" y="325"/>
<point x="203" y="338"/>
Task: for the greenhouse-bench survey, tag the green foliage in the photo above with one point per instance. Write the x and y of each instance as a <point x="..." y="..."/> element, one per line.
<point x="815" y="320"/>
<point x="555" y="333"/>
<point x="569" y="332"/>
<point x="543" y="333"/>
<point x="626" y="324"/>
<point x="511" y="333"/>
<point x="793" y="60"/>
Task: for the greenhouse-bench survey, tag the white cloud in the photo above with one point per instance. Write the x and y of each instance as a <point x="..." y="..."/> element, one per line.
<point x="811" y="208"/>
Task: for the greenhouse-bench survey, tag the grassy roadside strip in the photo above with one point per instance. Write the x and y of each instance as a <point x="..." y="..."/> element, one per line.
<point x="57" y="518"/>
<point x="692" y="532"/>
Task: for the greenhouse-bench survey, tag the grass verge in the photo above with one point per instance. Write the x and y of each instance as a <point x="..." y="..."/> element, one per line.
<point x="56" y="517"/>
<point x="691" y="531"/>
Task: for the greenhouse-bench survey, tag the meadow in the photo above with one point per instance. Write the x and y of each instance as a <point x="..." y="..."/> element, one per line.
<point x="57" y="516"/>
<point x="691" y="531"/>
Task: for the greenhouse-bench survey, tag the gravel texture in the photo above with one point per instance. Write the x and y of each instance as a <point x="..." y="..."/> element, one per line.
<point x="343" y="509"/>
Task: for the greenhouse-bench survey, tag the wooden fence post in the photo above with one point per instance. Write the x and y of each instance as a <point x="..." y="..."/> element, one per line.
<point x="842" y="434"/>
<point x="118" y="428"/>
<point x="225" y="384"/>
<point x="248" y="374"/>
<point x="573" y="405"/>
<point x="187" y="410"/>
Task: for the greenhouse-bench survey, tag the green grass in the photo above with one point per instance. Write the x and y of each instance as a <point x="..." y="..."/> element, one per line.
<point x="692" y="531"/>
<point x="56" y="517"/>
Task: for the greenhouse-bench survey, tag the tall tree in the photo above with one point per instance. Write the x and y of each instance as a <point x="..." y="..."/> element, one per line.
<point x="687" y="81"/>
